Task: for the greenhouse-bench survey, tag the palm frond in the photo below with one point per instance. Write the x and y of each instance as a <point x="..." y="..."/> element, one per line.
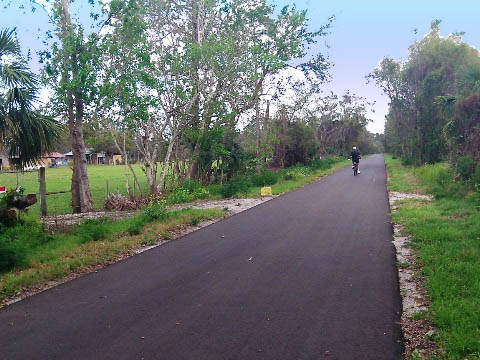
<point x="20" y="99"/>
<point x="17" y="74"/>
<point x="34" y="134"/>
<point x="8" y="43"/>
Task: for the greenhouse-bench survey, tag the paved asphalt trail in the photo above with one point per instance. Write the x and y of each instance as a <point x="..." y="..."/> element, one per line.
<point x="321" y="284"/>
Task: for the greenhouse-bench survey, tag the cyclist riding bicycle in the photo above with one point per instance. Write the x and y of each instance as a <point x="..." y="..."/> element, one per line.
<point x="356" y="156"/>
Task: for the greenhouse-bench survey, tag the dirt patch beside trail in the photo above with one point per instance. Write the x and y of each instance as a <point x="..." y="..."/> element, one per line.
<point x="66" y="222"/>
<point x="233" y="206"/>
<point x="417" y="332"/>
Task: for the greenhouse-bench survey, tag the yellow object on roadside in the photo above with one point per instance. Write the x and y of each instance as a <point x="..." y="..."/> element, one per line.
<point x="266" y="191"/>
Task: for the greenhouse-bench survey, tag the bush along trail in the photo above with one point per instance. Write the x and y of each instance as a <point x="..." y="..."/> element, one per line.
<point x="32" y="259"/>
<point x="444" y="236"/>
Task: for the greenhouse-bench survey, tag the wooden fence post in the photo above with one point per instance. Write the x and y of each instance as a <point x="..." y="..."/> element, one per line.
<point x="43" y="191"/>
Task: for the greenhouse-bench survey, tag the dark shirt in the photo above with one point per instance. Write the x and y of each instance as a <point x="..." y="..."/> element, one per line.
<point x="355" y="155"/>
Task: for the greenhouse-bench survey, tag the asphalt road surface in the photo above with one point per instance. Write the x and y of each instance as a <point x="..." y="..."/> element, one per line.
<point x="308" y="275"/>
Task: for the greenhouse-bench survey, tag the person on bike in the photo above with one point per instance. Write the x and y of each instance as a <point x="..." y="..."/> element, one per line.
<point x="355" y="155"/>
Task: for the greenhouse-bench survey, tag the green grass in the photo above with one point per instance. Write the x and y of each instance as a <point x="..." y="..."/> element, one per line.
<point x="59" y="179"/>
<point x="402" y="178"/>
<point x="446" y="240"/>
<point x="97" y="242"/>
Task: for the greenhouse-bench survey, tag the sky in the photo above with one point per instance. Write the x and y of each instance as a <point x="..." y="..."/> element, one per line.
<point x="362" y="34"/>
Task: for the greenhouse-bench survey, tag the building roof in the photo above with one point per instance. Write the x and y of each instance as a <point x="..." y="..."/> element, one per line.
<point x="55" y="155"/>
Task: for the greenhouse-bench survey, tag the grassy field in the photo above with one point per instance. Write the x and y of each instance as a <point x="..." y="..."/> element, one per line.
<point x="59" y="179"/>
<point x="446" y="239"/>
<point x="42" y="258"/>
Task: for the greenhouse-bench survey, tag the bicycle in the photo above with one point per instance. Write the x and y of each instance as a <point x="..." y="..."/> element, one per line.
<point x="355" y="169"/>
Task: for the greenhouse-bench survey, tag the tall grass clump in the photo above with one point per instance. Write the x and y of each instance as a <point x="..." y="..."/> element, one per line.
<point x="265" y="178"/>
<point x="440" y="180"/>
<point x="93" y="229"/>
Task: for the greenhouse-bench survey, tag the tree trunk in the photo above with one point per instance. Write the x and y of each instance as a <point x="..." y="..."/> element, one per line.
<point x="123" y="152"/>
<point x="150" y="171"/>
<point x="81" y="197"/>
<point x="166" y="161"/>
<point x="125" y="157"/>
<point x="197" y="34"/>
<point x="257" y="128"/>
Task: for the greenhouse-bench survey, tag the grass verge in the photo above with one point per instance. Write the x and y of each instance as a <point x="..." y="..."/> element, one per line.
<point x="94" y="243"/>
<point x="446" y="240"/>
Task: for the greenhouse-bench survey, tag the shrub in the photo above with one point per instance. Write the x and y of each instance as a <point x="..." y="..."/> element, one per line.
<point x="215" y="189"/>
<point x="408" y="160"/>
<point x="265" y="178"/>
<point x="476" y="178"/>
<point x="201" y="193"/>
<point x="332" y="160"/>
<point x="320" y="164"/>
<point x="235" y="186"/>
<point x="179" y="195"/>
<point x="191" y="185"/>
<point x="156" y="210"/>
<point x="289" y="175"/>
<point x="466" y="167"/>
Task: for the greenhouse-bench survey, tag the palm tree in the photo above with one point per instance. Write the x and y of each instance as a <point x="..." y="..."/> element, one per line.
<point x="24" y="131"/>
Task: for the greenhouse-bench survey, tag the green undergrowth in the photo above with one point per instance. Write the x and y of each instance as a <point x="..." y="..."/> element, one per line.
<point x="249" y="185"/>
<point x="446" y="239"/>
<point x="29" y="258"/>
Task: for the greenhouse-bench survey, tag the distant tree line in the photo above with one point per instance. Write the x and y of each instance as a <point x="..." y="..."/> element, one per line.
<point x="434" y="97"/>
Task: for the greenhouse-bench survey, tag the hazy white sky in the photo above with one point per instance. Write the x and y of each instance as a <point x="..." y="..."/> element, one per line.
<point x="363" y="33"/>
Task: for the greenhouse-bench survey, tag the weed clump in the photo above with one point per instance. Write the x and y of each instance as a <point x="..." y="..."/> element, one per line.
<point x="188" y="191"/>
<point x="156" y="210"/>
<point x="265" y="178"/>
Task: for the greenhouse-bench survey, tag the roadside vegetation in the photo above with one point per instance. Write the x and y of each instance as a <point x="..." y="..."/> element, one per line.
<point x="30" y="258"/>
<point x="446" y="239"/>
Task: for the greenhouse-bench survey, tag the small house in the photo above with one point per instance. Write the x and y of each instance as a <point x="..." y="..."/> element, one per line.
<point x="53" y="160"/>
<point x="93" y="158"/>
<point x="4" y="162"/>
